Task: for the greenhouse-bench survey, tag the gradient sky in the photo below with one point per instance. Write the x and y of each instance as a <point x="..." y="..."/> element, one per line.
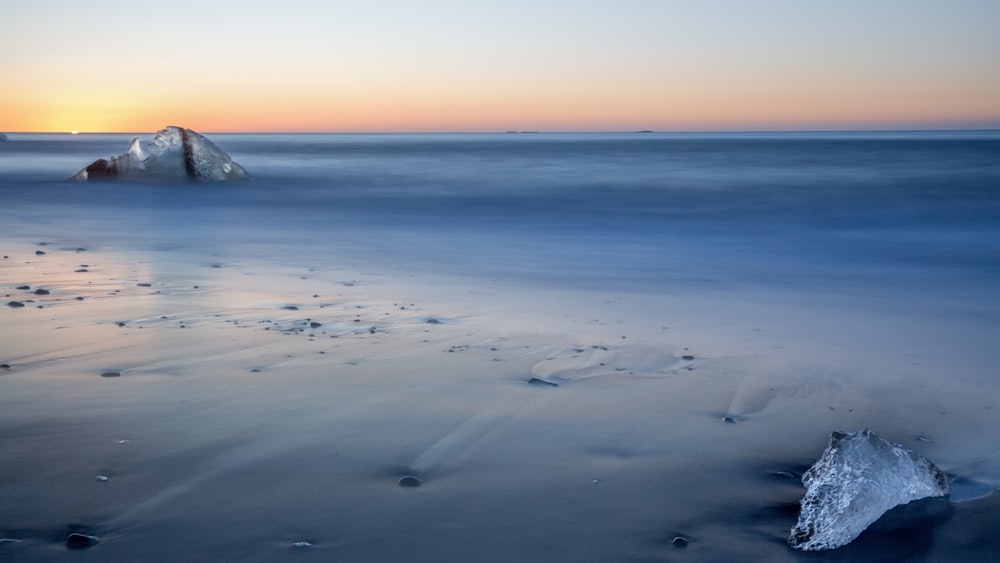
<point x="470" y="65"/>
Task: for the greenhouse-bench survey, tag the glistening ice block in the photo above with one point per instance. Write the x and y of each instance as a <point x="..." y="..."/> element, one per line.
<point x="175" y="154"/>
<point x="857" y="479"/>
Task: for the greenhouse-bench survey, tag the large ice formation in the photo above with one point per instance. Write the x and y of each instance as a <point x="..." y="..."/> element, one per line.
<point x="175" y="154"/>
<point x="858" y="478"/>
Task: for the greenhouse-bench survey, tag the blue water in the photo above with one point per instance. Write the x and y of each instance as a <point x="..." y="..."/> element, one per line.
<point x="838" y="210"/>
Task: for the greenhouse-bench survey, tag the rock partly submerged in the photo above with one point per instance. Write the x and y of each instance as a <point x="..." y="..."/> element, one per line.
<point x="174" y="154"/>
<point x="858" y="478"/>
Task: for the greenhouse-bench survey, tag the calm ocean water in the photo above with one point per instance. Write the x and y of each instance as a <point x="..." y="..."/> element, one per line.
<point x="778" y="208"/>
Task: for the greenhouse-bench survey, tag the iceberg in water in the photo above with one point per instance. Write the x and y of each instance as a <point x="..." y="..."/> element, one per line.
<point x="175" y="154"/>
<point x="858" y="478"/>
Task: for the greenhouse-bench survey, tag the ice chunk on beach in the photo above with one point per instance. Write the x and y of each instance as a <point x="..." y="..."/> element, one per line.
<point x="174" y="154"/>
<point x="858" y="478"/>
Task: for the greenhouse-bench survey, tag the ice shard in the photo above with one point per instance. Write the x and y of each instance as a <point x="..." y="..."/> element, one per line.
<point x="174" y="154"/>
<point x="858" y="478"/>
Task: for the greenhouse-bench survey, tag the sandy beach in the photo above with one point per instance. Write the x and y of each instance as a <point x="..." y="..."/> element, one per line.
<point x="202" y="385"/>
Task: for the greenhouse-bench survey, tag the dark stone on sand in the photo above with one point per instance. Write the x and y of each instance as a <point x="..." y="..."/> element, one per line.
<point x="79" y="298"/>
<point x="39" y="253"/>
<point x="24" y="287"/>
<point x="433" y="321"/>
<point x="81" y="541"/>
<point x="542" y="381"/>
<point x="255" y="370"/>
<point x="4" y="366"/>
<point x="409" y="481"/>
<point x="120" y="323"/>
<point x="291" y="308"/>
<point x="687" y="358"/>
<point x="679" y="541"/>
<point x="315" y="324"/>
<point x="111" y="374"/>
<point x="15" y="304"/>
<point x="81" y="270"/>
<point x="144" y="284"/>
<point x="41" y="292"/>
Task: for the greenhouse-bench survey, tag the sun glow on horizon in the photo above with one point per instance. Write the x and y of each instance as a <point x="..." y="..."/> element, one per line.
<point x="389" y="65"/>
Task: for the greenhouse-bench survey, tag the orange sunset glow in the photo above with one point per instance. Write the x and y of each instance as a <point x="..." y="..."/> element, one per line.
<point x="567" y="66"/>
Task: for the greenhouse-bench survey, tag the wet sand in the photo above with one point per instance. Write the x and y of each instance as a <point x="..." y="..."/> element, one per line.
<point x="268" y="400"/>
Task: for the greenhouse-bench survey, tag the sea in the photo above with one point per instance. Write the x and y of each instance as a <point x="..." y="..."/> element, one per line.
<point x="821" y="211"/>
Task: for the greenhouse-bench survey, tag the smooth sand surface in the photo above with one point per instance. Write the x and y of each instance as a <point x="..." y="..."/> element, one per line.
<point x="270" y="395"/>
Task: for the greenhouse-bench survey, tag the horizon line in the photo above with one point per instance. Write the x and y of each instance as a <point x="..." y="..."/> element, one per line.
<point x="533" y="132"/>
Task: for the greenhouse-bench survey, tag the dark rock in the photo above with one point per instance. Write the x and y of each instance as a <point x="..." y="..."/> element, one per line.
<point x="81" y="541"/>
<point x="687" y="358"/>
<point x="679" y="541"/>
<point x="39" y="253"/>
<point x="731" y="419"/>
<point x="120" y="323"/>
<point x="15" y="304"/>
<point x="291" y="308"/>
<point x="81" y="270"/>
<point x="144" y="284"/>
<point x="542" y="381"/>
<point x="79" y="298"/>
<point x="433" y="321"/>
<point x="111" y="374"/>
<point x="4" y="366"/>
<point x="409" y="481"/>
<point x="24" y="287"/>
<point x="41" y="292"/>
<point x="315" y="324"/>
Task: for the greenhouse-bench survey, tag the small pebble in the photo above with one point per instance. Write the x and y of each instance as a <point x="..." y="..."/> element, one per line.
<point x="24" y="287"/>
<point x="433" y="321"/>
<point x="15" y="304"/>
<point x="144" y="284"/>
<point x="409" y="481"/>
<point x="679" y="541"/>
<point x="41" y="292"/>
<point x="39" y="253"/>
<point x="687" y="358"/>
<point x="111" y="374"/>
<point x="315" y="324"/>
<point x="81" y="541"/>
<point x="291" y="308"/>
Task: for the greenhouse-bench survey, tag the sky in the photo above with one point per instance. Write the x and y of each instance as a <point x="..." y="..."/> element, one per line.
<point x="479" y="65"/>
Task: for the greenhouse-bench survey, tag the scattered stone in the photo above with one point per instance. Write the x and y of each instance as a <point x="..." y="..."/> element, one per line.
<point x="79" y="298"/>
<point x="4" y="366"/>
<point x="39" y="253"/>
<point x="24" y="287"/>
<point x="687" y="358"/>
<point x="542" y="381"/>
<point x="15" y="304"/>
<point x="409" y="481"/>
<point x="42" y="292"/>
<point x="372" y="330"/>
<point x="81" y="249"/>
<point x="680" y="542"/>
<point x="81" y="541"/>
<point x="255" y="370"/>
<point x="111" y="374"/>
<point x="120" y="323"/>
<point x="291" y="308"/>
<point x="315" y="324"/>
<point x="144" y="284"/>
<point x="81" y="270"/>
<point x="433" y="321"/>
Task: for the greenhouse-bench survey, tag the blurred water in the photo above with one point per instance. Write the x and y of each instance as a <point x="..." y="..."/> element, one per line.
<point x="839" y="210"/>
